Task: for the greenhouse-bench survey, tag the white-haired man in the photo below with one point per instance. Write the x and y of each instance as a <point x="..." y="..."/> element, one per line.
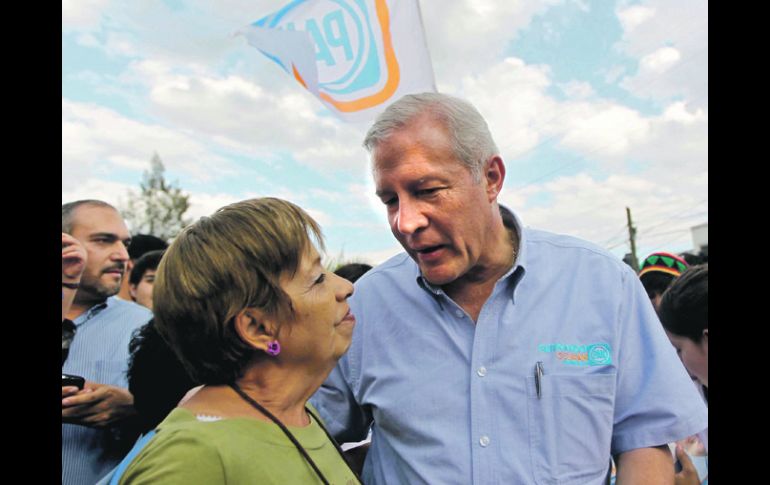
<point x="492" y="354"/>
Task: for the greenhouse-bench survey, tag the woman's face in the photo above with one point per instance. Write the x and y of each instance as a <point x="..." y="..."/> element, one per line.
<point x="322" y="326"/>
<point x="694" y="355"/>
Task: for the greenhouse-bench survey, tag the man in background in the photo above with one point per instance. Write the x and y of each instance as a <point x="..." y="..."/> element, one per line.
<point x="142" y="278"/>
<point x="96" y="430"/>
<point x="140" y="244"/>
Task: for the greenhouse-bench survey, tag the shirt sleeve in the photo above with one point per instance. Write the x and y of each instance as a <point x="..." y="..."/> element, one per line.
<point x="656" y="402"/>
<point x="176" y="459"/>
<point x="346" y="419"/>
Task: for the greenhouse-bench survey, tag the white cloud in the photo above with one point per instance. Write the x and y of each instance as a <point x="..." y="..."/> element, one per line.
<point x="88" y="39"/>
<point x="92" y="188"/>
<point x="95" y="138"/>
<point x="487" y="28"/>
<point x="614" y="73"/>
<point x="511" y="96"/>
<point x="82" y="14"/>
<point x="678" y="112"/>
<point x="119" y="44"/>
<point x="595" y="210"/>
<point x="204" y="204"/>
<point x="577" y="89"/>
<point x="660" y="60"/>
<point x="670" y="40"/>
<point x="602" y="129"/>
<point x="635" y="15"/>
<point x="244" y="115"/>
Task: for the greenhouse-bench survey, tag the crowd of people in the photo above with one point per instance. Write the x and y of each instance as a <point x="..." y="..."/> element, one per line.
<point x="487" y="352"/>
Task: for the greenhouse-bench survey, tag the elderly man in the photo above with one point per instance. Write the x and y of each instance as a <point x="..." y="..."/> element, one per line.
<point x="491" y="356"/>
<point x="94" y="438"/>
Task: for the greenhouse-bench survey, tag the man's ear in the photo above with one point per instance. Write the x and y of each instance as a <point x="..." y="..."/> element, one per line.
<point x="494" y="175"/>
<point x="132" y="291"/>
<point x="255" y="328"/>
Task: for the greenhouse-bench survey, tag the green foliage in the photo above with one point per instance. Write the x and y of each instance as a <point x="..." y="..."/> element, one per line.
<point x="160" y="206"/>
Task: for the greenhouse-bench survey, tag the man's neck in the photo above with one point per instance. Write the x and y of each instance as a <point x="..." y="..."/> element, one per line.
<point x="472" y="290"/>
<point x="80" y="307"/>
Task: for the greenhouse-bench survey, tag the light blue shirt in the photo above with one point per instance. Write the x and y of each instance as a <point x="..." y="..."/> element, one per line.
<point x="451" y="402"/>
<point x="99" y="352"/>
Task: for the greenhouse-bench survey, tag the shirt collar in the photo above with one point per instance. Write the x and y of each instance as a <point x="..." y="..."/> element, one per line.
<point x="93" y="311"/>
<point x="513" y="275"/>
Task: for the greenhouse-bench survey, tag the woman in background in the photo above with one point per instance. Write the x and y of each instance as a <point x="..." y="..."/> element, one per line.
<point x="684" y="313"/>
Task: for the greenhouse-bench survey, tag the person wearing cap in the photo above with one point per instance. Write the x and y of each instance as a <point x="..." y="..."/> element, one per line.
<point x="658" y="271"/>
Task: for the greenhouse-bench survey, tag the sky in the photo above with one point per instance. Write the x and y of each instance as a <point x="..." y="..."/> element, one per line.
<point x="596" y="106"/>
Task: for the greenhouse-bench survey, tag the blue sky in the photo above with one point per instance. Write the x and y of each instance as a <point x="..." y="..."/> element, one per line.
<point x="595" y="105"/>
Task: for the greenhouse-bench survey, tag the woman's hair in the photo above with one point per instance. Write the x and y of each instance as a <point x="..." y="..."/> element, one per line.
<point x="156" y="378"/>
<point x="684" y="307"/>
<point x="221" y="265"/>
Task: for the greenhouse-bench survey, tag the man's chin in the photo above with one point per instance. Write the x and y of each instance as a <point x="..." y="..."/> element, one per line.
<point x="106" y="291"/>
<point x="437" y="276"/>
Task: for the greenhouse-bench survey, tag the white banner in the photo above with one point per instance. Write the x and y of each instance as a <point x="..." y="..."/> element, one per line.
<point x="356" y="56"/>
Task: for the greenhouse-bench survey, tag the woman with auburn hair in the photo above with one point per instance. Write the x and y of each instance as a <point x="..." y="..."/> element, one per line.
<point x="244" y="302"/>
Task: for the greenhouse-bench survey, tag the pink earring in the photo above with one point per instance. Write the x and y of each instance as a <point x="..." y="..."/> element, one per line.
<point x="274" y="348"/>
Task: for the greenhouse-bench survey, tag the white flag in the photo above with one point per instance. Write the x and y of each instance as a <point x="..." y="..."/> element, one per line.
<point x="356" y="56"/>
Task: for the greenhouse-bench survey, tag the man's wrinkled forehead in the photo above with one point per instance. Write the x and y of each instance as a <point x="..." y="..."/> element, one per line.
<point x="420" y="135"/>
<point x="88" y="220"/>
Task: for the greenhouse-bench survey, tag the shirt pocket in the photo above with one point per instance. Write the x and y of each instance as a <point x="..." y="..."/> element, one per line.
<point x="570" y="427"/>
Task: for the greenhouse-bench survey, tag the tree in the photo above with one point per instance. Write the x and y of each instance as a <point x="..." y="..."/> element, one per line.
<point x="159" y="208"/>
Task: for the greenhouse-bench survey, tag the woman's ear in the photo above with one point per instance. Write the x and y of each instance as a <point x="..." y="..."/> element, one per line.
<point x="255" y="328"/>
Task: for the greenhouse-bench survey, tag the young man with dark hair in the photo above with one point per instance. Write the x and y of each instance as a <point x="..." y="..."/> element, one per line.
<point x="142" y="277"/>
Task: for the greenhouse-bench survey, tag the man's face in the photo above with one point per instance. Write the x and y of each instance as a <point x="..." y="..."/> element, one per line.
<point x="105" y="237"/>
<point x="436" y="210"/>
<point x="142" y="292"/>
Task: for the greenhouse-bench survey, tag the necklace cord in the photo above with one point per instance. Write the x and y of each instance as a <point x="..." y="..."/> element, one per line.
<point x="291" y="437"/>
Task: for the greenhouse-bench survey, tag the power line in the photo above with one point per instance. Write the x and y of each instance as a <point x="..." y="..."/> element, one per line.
<point x="677" y="215"/>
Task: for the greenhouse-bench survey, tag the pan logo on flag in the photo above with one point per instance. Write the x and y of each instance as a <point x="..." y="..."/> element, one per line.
<point x="357" y="67"/>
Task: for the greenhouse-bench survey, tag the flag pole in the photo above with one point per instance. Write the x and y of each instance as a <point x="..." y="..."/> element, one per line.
<point x="425" y="40"/>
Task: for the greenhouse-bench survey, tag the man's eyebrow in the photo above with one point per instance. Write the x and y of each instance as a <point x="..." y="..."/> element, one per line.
<point x="104" y="235"/>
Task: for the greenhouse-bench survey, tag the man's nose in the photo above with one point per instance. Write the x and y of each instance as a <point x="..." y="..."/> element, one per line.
<point x="410" y="217"/>
<point x="120" y="252"/>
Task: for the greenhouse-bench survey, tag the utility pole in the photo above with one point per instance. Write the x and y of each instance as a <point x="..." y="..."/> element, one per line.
<point x="632" y="238"/>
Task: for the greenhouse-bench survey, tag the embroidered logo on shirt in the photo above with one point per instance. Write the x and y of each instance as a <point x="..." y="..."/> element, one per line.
<point x="592" y="354"/>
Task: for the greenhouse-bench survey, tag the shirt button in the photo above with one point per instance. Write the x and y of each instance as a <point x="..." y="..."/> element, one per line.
<point x="459" y="313"/>
<point x="482" y="371"/>
<point x="484" y="441"/>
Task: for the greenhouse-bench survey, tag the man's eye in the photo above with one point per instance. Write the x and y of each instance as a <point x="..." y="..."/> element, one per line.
<point x="428" y="192"/>
<point x="320" y="279"/>
<point x="390" y="202"/>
